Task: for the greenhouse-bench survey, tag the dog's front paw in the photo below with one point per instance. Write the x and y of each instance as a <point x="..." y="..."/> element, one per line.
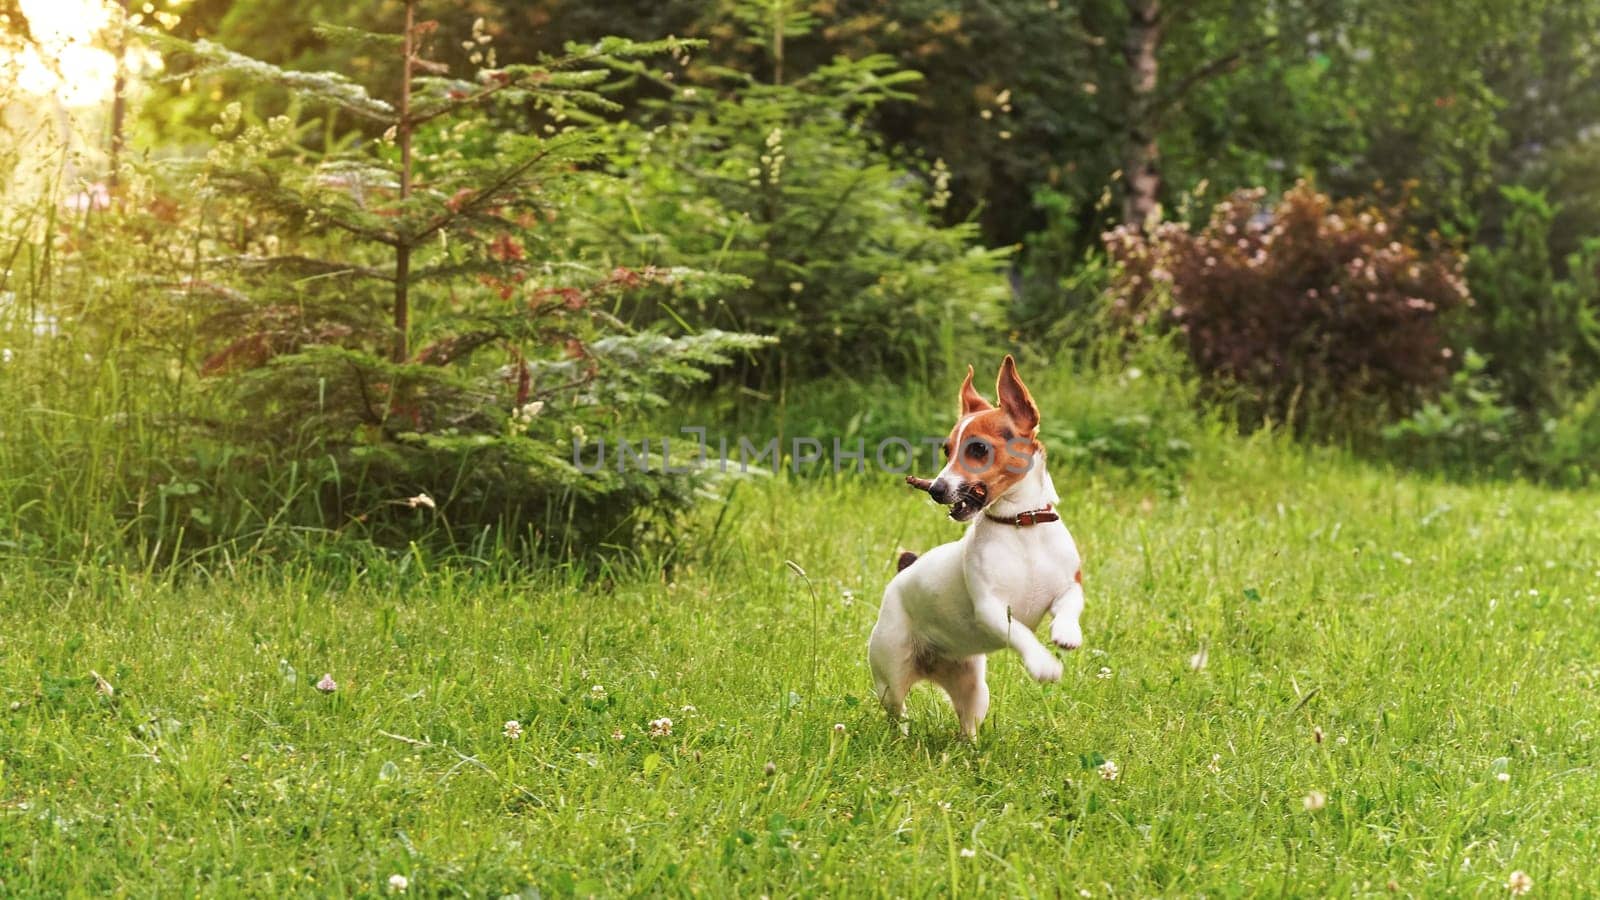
<point x="1066" y="635"/>
<point x="1045" y="669"/>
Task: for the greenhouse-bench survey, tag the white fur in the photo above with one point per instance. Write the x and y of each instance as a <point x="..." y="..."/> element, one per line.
<point x="985" y="592"/>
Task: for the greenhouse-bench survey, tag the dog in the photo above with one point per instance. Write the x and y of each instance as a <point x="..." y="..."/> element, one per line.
<point x="947" y="609"/>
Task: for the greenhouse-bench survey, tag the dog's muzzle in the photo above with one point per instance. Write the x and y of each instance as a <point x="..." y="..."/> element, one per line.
<point x="970" y="499"/>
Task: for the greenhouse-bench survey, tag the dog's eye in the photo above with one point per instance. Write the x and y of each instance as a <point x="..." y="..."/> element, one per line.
<point x="978" y="450"/>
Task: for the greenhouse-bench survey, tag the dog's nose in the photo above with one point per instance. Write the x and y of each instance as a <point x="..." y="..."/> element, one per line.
<point x="942" y="492"/>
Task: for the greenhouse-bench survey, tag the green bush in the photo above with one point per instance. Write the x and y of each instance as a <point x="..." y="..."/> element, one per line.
<point x="1541" y="331"/>
<point x="1569" y="452"/>
<point x="1468" y="428"/>
<point x="837" y="244"/>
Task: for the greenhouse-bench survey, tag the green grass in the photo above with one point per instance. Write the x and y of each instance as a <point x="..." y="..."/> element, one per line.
<point x="1436" y="634"/>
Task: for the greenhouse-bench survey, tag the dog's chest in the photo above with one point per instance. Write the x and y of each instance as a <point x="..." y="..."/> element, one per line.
<point x="1027" y="568"/>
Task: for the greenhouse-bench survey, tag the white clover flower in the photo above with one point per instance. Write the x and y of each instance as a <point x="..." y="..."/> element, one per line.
<point x="598" y="692"/>
<point x="1502" y="777"/>
<point x="838" y="728"/>
<point x="1519" y="883"/>
<point x="512" y="730"/>
<point x="968" y="853"/>
<point x="660" y="727"/>
<point x="1104" y="673"/>
<point x="1215" y="766"/>
<point x="398" y="884"/>
<point x="1109" y="770"/>
<point x="326" y="684"/>
<point x="1315" y="801"/>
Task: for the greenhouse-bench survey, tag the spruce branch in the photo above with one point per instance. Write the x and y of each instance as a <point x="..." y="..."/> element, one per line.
<point x="328" y="88"/>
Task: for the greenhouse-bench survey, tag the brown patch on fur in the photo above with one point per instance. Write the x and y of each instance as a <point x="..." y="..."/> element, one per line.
<point x="988" y="456"/>
<point x="1078" y="577"/>
<point x="971" y="400"/>
<point x="997" y="443"/>
<point x="905" y="560"/>
<point x="1015" y="398"/>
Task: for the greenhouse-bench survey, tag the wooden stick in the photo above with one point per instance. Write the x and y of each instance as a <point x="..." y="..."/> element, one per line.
<point x="921" y="484"/>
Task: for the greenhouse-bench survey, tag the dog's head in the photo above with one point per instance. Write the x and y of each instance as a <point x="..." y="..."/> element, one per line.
<point x="991" y="448"/>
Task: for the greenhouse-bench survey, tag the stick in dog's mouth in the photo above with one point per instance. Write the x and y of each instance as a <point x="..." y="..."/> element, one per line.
<point x="971" y="497"/>
<point x="970" y="500"/>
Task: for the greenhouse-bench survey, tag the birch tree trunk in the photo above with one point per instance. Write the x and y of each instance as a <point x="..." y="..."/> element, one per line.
<point x="1141" y="155"/>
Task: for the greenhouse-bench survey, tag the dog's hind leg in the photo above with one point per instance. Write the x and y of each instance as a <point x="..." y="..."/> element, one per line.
<point x="964" y="680"/>
<point x="892" y="655"/>
<point x="891" y="681"/>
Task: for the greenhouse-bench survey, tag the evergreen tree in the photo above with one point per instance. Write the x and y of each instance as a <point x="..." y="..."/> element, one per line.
<point x="389" y="312"/>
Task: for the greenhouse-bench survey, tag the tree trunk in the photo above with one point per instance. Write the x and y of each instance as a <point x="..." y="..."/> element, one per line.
<point x="119" y="101"/>
<point x="402" y="261"/>
<point x="1141" y="155"/>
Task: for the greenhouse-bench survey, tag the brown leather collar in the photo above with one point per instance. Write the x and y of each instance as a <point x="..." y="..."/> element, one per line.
<point x="1024" y="519"/>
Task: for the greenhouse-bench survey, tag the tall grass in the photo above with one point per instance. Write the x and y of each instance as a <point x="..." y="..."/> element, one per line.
<point x="97" y="403"/>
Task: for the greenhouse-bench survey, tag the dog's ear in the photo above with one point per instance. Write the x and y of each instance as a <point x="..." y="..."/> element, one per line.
<point x="971" y="400"/>
<point x="1014" y="397"/>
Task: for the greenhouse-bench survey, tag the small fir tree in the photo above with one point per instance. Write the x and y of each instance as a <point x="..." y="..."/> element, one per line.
<point x="388" y="311"/>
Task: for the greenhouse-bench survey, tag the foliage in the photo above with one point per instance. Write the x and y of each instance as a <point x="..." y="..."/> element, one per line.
<point x="1541" y="331"/>
<point x="1143" y="447"/>
<point x="1569" y="452"/>
<point x="1305" y="305"/>
<point x="836" y="243"/>
<point x="1124" y="411"/>
<point x="1061" y="302"/>
<point x="439" y="225"/>
<point x="1468" y="428"/>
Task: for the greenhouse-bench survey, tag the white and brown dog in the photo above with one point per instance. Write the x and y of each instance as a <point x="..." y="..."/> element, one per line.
<point x="990" y="589"/>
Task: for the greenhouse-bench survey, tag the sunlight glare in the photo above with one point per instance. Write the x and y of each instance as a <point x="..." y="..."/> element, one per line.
<point x="82" y="74"/>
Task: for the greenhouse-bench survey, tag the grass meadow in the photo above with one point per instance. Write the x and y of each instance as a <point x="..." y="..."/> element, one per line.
<point x="302" y="593"/>
<point x="1313" y="677"/>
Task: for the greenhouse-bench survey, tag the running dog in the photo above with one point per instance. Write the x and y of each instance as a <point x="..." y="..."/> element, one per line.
<point x="951" y="606"/>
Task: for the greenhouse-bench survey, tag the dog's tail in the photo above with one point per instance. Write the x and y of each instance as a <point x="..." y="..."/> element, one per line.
<point x="905" y="560"/>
